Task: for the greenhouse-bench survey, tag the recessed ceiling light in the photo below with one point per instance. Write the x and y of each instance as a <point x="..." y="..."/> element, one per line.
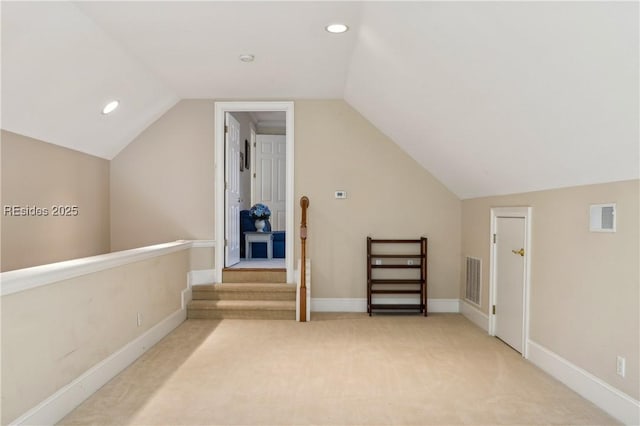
<point x="110" y="107"/>
<point x="247" y="58"/>
<point x="336" y="28"/>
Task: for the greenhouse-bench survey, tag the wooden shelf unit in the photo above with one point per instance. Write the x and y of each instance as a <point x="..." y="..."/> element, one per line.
<point x="397" y="262"/>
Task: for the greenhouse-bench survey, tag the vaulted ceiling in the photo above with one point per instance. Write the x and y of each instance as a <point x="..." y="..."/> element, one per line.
<point x="490" y="97"/>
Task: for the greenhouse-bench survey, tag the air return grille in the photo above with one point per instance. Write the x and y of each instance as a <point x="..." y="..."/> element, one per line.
<point x="474" y="272"/>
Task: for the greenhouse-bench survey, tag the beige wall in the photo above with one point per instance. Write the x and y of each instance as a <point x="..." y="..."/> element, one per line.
<point x="201" y="258"/>
<point x="35" y="173"/>
<point x="162" y="183"/>
<point x="95" y="315"/>
<point x="585" y="292"/>
<point x="389" y="196"/>
<point x="162" y="190"/>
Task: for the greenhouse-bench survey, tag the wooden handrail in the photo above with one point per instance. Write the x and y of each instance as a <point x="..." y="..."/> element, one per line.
<point x="304" y="204"/>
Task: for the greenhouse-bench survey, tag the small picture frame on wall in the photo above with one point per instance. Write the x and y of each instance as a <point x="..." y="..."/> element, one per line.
<point x="242" y="162"/>
<point x="247" y="151"/>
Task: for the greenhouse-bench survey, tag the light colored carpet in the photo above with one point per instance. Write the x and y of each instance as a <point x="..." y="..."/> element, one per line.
<point x="259" y="263"/>
<point x="339" y="369"/>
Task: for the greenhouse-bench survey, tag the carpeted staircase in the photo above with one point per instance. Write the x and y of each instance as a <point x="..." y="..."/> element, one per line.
<point x="245" y="294"/>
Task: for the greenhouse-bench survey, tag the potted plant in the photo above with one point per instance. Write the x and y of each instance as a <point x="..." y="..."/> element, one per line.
<point x="260" y="212"/>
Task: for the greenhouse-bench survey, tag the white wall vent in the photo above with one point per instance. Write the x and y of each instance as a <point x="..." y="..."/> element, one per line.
<point x="473" y="283"/>
<point x="602" y="218"/>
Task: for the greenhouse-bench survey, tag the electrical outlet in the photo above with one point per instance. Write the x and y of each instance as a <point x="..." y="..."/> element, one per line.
<point x="341" y="194"/>
<point x="378" y="261"/>
<point x="409" y="262"/>
<point x="139" y="319"/>
<point x="620" y="366"/>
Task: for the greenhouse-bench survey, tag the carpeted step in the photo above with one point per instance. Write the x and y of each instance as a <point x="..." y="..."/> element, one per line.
<point x="242" y="309"/>
<point x="254" y="275"/>
<point x="244" y="291"/>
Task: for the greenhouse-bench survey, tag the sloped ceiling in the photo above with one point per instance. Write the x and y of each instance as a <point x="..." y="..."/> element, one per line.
<point x="504" y="97"/>
<point x="490" y="97"/>
<point x="58" y="71"/>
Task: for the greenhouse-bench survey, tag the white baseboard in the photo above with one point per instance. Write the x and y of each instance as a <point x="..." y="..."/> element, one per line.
<point x="186" y="297"/>
<point x="202" y="276"/>
<point x="326" y="304"/>
<point x="475" y="315"/>
<point x="443" y="305"/>
<point x="61" y="403"/>
<point x="613" y="401"/>
<point x="322" y="304"/>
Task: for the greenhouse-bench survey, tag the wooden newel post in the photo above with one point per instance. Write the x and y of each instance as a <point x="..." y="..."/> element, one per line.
<point x="304" y="204"/>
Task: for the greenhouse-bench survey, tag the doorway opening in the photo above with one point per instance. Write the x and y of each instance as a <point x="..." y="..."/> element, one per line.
<point x="510" y="271"/>
<point x="254" y="148"/>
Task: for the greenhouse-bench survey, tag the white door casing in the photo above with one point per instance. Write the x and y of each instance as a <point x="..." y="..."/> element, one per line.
<point x="232" y="191"/>
<point x="510" y="276"/>
<point x="270" y="177"/>
<point x="220" y="108"/>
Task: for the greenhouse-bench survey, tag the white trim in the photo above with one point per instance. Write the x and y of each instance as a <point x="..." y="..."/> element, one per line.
<point x="595" y="218"/>
<point x="473" y="314"/>
<point x="61" y="403"/>
<point x="322" y="304"/>
<point x="220" y="109"/>
<point x="615" y="402"/>
<point x="203" y="243"/>
<point x="37" y="276"/>
<point x="185" y="297"/>
<point x="326" y="304"/>
<point x="526" y="214"/>
<point x="201" y="276"/>
<point x="443" y="306"/>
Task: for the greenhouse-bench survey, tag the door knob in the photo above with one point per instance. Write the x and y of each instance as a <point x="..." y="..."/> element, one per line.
<point x="520" y="252"/>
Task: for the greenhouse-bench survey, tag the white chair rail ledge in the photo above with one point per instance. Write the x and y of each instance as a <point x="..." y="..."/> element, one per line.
<point x="37" y="276"/>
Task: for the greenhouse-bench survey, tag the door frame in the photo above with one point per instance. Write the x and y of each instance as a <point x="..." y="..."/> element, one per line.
<point x="220" y="109"/>
<point x="526" y="214"/>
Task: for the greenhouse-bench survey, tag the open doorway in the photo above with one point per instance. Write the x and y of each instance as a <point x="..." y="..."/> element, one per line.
<point x="255" y="142"/>
<point x="255" y="194"/>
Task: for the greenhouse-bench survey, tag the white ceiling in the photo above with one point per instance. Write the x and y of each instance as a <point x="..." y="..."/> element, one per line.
<point x="269" y="120"/>
<point x="59" y="69"/>
<point x="504" y="97"/>
<point x="490" y="97"/>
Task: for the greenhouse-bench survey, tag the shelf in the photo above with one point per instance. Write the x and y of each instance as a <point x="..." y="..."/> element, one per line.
<point x="396" y="281"/>
<point x="416" y="306"/>
<point x="417" y="271"/>
<point x="396" y="266"/>
<point x="396" y="256"/>
<point x="396" y="241"/>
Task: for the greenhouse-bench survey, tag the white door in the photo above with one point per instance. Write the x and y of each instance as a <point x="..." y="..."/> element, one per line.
<point x="232" y="191"/>
<point x="270" y="186"/>
<point x="509" y="270"/>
